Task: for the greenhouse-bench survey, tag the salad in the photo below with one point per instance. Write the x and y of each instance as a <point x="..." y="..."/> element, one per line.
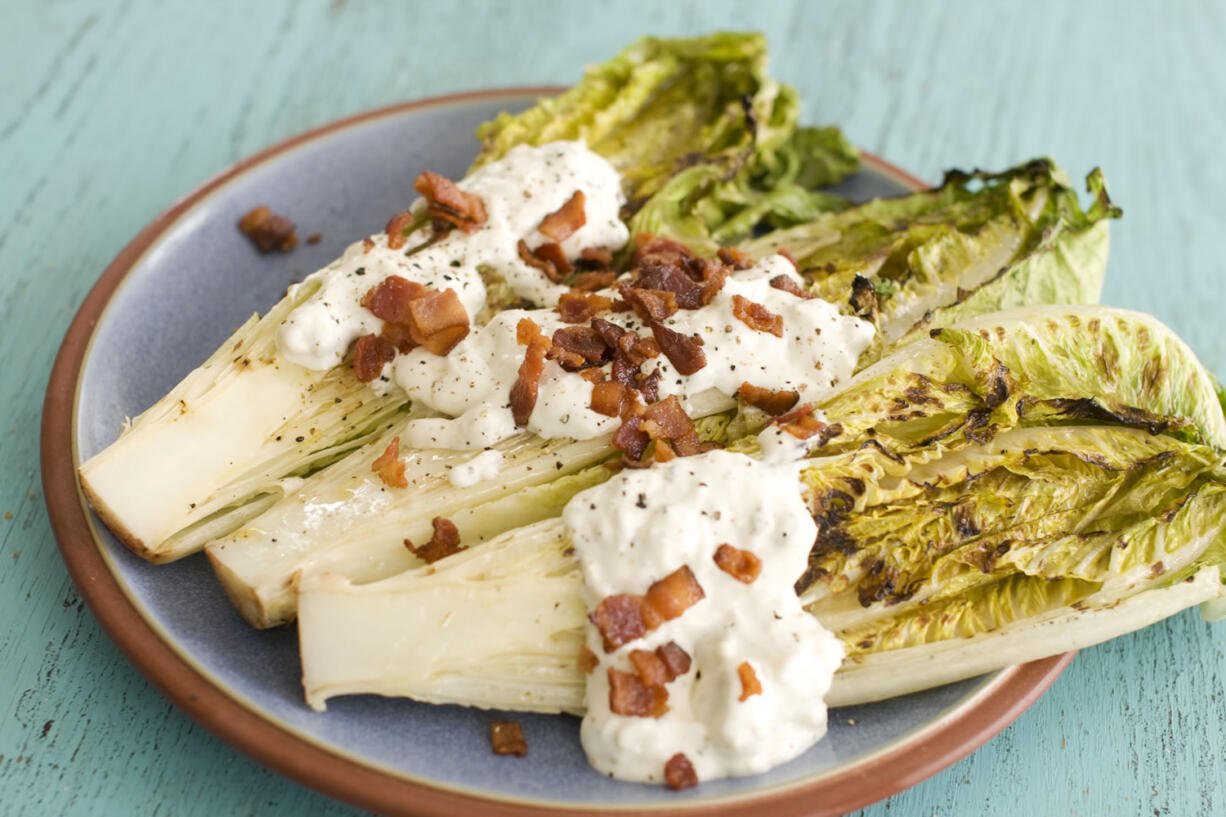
<point x="639" y="421"/>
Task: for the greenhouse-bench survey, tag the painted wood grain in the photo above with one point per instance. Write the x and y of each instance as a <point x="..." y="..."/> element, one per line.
<point x="109" y="111"/>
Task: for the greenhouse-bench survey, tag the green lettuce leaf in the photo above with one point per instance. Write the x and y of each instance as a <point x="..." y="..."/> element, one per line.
<point x="979" y="243"/>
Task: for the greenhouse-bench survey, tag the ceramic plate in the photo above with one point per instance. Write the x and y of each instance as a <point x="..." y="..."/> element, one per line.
<point x="179" y="289"/>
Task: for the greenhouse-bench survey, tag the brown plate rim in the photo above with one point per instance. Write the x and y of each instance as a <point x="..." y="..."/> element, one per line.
<point x="906" y="763"/>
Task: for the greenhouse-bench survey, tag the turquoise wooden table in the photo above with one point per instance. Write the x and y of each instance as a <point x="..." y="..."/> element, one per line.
<point x="109" y="111"/>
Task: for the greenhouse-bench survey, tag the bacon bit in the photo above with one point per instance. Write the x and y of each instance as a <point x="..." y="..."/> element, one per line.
<point x="756" y="316"/>
<point x="679" y="773"/>
<point x="676" y="660"/>
<point x="399" y="336"/>
<point x="396" y="227"/>
<point x="647" y="245"/>
<point x="370" y="353"/>
<point x="390" y="467"/>
<point x="750" y="685"/>
<point x="527" y="384"/>
<point x="739" y="564"/>
<point x="663" y="452"/>
<point x="591" y="281"/>
<point x="438" y="320"/>
<point x="611" y="332"/>
<point x="601" y="257"/>
<point x="562" y="223"/>
<point x="671" y="276"/>
<point x="449" y="203"/>
<point x="553" y="255"/>
<point x="714" y="282"/>
<point x="593" y="376"/>
<point x="649" y="386"/>
<point x="267" y="230"/>
<point x="788" y="255"/>
<point x="368" y="244"/>
<point x="650" y="304"/>
<point x="507" y="738"/>
<point x="651" y="670"/>
<point x="732" y="257"/>
<point x="630" y="696"/>
<point x="772" y="401"/>
<point x="801" y="423"/>
<point x="672" y="595"/>
<point x="667" y="421"/>
<point x="443" y="543"/>
<point x="685" y="353"/>
<point x="637" y="349"/>
<point x="314" y="238"/>
<point x="577" y="347"/>
<point x="608" y="398"/>
<point x="581" y="307"/>
<point x="629" y="439"/>
<point x="389" y="301"/>
<point x="622" y="618"/>
<point x="587" y="660"/>
<point x="788" y="284"/>
<point x="535" y="259"/>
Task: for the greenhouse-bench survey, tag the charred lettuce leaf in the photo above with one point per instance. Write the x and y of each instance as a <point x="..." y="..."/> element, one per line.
<point x="1023" y="464"/>
<point x="979" y="243"/>
<point x="706" y="142"/>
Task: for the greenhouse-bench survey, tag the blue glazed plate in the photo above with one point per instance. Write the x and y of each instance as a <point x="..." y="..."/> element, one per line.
<point x="167" y="302"/>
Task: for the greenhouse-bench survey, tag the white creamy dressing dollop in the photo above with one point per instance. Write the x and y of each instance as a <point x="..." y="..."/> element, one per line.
<point x="485" y="466"/>
<point x="518" y="191"/>
<point x="472" y="385"/>
<point x="644" y="524"/>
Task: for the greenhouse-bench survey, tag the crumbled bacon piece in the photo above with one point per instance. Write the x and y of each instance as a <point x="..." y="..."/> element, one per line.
<point x="622" y="618"/>
<point x="389" y="301"/>
<point x="739" y="564"/>
<point x="396" y="229"/>
<point x="587" y="660"/>
<point x="609" y="398"/>
<point x="666" y="421"/>
<point x="314" y="238"/>
<point x="592" y="280"/>
<point x="661" y="666"/>
<point x="444" y="542"/>
<point x="581" y="307"/>
<point x="676" y="660"/>
<point x="788" y="284"/>
<point x="507" y="738"/>
<point x="370" y="353"/>
<point x="672" y="595"/>
<point x="671" y="277"/>
<point x="598" y="257"/>
<point x="630" y="440"/>
<point x="649" y="385"/>
<point x="651" y="670"/>
<point x="683" y="351"/>
<point x="679" y="773"/>
<point x="650" y="304"/>
<point x="802" y="424"/>
<point x="577" y="347"/>
<point x="756" y="316"/>
<point x="545" y="259"/>
<point x="438" y="320"/>
<point x="390" y="467"/>
<point x="562" y="223"/>
<point x="524" y="392"/>
<point x="593" y="376"/>
<point x="630" y="696"/>
<point x="772" y="401"/>
<point x="636" y="348"/>
<point x="750" y="685"/>
<point x="267" y="230"/>
<point x="647" y="245"/>
<point x="712" y="283"/>
<point x="732" y="257"/>
<point x="449" y="203"/>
